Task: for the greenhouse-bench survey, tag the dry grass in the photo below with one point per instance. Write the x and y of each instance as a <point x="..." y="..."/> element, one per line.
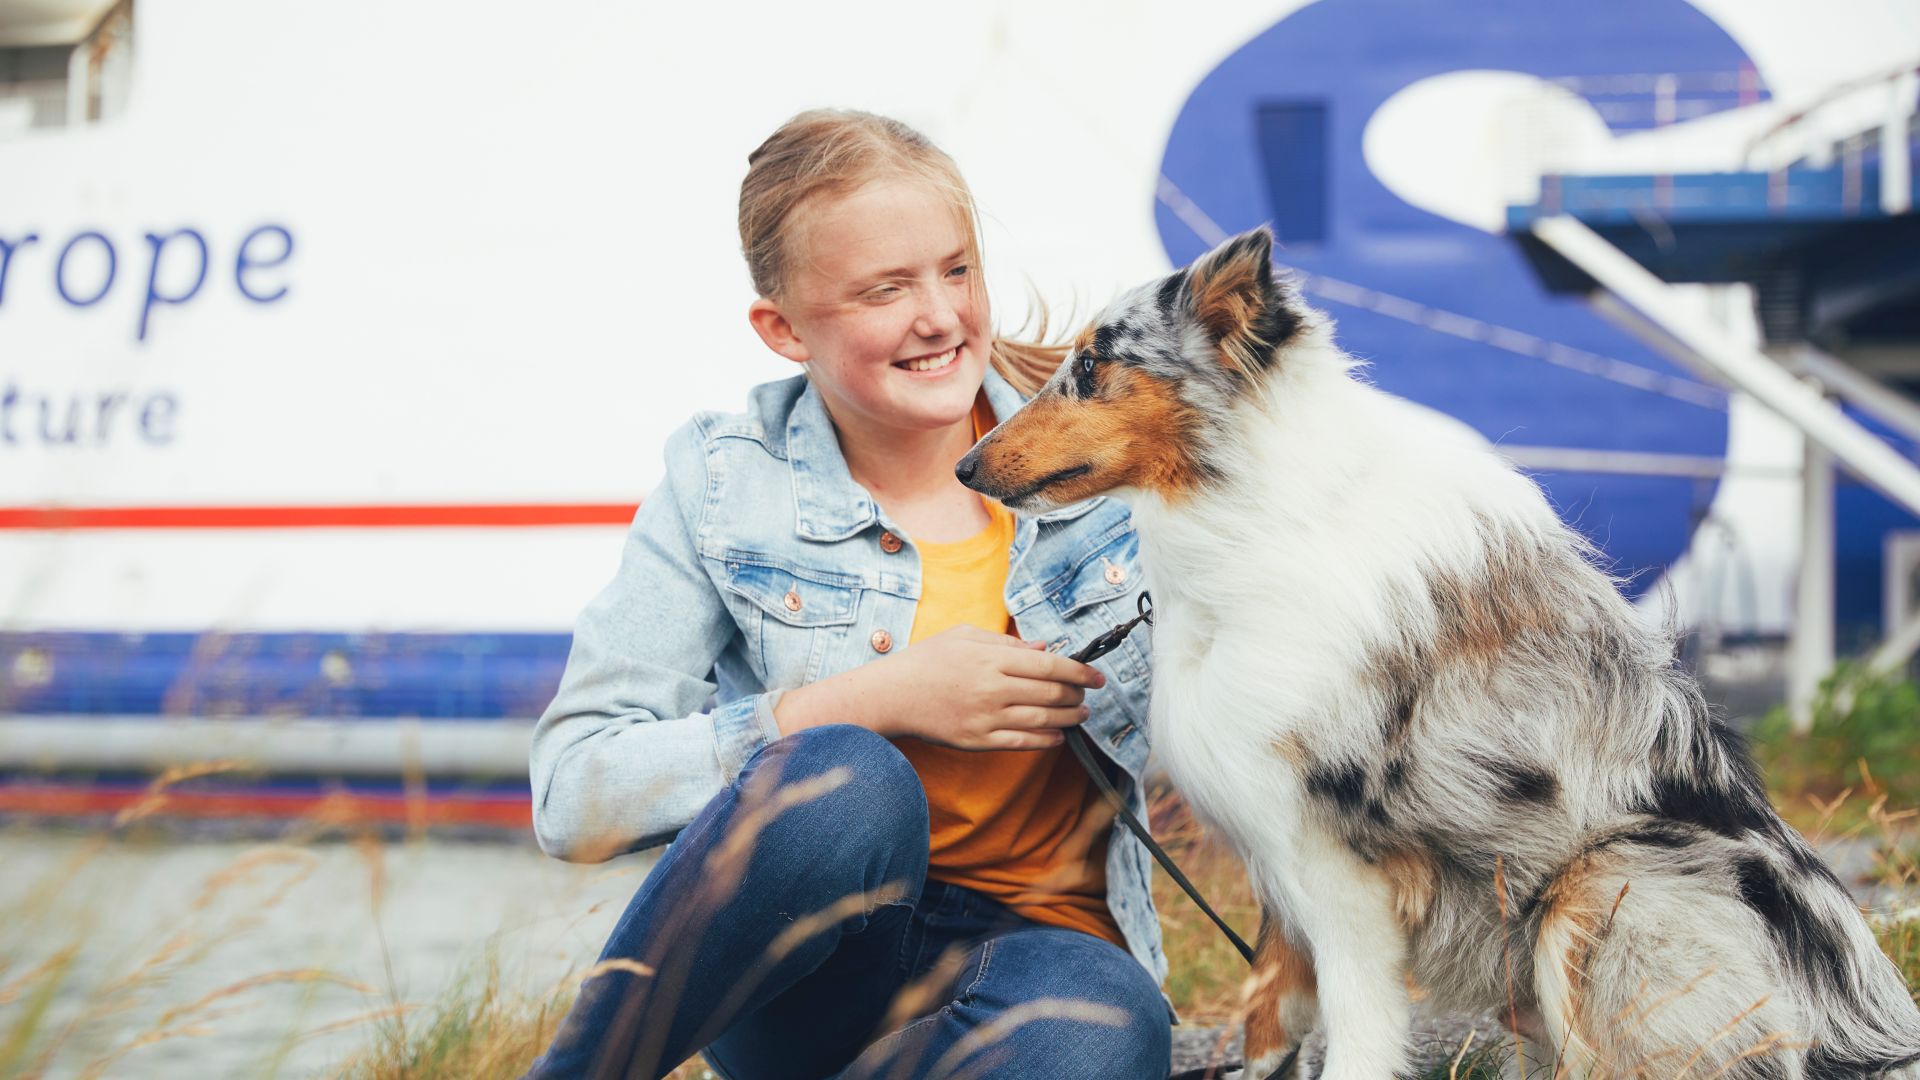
<point x="487" y="1026"/>
<point x="1207" y="975"/>
<point x="103" y="1037"/>
<point x="482" y="1032"/>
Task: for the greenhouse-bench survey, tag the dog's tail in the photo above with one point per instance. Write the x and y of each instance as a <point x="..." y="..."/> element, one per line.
<point x="1860" y="1016"/>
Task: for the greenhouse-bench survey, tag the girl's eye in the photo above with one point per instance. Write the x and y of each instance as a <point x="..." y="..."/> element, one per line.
<point x="960" y="271"/>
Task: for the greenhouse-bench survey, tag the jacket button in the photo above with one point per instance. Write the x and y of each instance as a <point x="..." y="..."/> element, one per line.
<point x="1115" y="574"/>
<point x="881" y="641"/>
<point x="889" y="543"/>
<point x="792" y="600"/>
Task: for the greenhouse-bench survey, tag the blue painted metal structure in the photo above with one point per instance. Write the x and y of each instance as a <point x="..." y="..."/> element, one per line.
<point x="1829" y="266"/>
<point x="1346" y="58"/>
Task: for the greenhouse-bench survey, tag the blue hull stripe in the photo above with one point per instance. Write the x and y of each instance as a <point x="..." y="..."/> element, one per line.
<point x="332" y="675"/>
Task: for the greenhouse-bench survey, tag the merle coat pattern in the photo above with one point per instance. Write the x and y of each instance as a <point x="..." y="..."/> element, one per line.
<point x="1450" y="753"/>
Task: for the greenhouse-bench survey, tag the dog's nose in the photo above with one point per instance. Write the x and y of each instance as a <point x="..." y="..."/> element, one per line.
<point x="967" y="466"/>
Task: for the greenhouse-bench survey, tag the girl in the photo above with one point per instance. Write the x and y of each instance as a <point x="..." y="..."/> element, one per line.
<point x="883" y="863"/>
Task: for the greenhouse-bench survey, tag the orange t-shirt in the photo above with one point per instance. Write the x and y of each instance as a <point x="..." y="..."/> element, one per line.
<point x="1024" y="827"/>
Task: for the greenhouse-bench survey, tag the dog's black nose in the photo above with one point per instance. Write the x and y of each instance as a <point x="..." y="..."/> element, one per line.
<point x="967" y="466"/>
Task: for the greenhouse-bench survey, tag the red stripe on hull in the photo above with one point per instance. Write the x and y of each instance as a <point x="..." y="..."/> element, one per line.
<point x="509" y="515"/>
<point x="58" y="800"/>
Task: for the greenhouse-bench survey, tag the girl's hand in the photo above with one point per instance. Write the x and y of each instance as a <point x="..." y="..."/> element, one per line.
<point x="965" y="688"/>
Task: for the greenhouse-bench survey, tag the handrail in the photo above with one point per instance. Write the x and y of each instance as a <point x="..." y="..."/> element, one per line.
<point x="1828" y="97"/>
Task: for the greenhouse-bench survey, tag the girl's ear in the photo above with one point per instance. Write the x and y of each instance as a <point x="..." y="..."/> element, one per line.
<point x="774" y="329"/>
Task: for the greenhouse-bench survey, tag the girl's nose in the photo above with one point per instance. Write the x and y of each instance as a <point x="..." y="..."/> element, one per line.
<point x="937" y="317"/>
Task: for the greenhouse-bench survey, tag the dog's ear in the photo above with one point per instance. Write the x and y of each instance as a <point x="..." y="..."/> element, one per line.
<point x="1231" y="292"/>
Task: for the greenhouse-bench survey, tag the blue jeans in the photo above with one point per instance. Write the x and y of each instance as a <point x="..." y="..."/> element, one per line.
<point x="791" y="931"/>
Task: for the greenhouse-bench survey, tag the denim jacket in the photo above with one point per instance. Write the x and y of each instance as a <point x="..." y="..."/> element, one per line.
<point x="757" y="566"/>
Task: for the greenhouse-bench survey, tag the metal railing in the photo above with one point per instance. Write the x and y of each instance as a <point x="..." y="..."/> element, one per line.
<point x="1885" y="129"/>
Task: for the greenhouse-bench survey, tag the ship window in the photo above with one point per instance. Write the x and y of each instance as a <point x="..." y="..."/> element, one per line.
<point x="64" y="63"/>
<point x="1293" y="153"/>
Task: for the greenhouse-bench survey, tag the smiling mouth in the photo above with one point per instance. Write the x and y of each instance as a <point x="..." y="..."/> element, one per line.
<point x="929" y="363"/>
<point x="1047" y="481"/>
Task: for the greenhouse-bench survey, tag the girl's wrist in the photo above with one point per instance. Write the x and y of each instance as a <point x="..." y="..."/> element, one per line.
<point x="829" y="701"/>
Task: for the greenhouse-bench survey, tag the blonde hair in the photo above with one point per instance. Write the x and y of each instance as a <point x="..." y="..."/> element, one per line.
<point x="833" y="151"/>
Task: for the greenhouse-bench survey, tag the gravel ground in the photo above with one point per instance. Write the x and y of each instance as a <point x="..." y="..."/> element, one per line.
<point x="1435" y="1040"/>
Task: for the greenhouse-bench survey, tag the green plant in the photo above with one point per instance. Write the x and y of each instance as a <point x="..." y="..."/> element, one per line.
<point x="1865" y="736"/>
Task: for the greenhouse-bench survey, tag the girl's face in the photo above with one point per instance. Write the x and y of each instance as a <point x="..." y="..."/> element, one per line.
<point x="882" y="305"/>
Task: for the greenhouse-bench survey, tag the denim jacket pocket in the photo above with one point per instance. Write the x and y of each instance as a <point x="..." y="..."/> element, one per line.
<point x="790" y="616"/>
<point x="1098" y="590"/>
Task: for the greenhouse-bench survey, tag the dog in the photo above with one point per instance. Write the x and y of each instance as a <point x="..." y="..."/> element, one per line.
<point x="1447" y="750"/>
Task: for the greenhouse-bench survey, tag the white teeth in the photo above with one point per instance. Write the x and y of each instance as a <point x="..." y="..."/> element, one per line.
<point x="930" y="363"/>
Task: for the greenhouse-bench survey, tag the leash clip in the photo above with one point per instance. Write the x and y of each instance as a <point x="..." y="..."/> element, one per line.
<point x="1109" y="641"/>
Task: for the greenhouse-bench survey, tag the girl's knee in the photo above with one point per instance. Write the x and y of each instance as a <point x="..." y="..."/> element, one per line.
<point x="1107" y="1015"/>
<point x="841" y="789"/>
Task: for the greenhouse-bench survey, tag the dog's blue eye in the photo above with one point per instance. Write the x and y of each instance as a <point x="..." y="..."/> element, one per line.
<point x="1083" y="376"/>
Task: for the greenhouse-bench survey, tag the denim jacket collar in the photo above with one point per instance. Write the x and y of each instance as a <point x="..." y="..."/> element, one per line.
<point x="828" y="504"/>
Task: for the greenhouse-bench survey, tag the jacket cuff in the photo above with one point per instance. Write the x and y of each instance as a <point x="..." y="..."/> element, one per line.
<point x="741" y="727"/>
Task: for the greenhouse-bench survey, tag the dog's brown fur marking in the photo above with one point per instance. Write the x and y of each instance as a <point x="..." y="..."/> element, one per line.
<point x="1480" y="619"/>
<point x="1413" y="878"/>
<point x="1228" y="301"/>
<point x="1292" y="750"/>
<point x="1084" y="340"/>
<point x="1129" y="437"/>
<point x="1573" y="897"/>
<point x="1279" y="972"/>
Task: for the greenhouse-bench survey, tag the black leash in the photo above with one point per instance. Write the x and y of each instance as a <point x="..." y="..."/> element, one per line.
<point x="1082" y="745"/>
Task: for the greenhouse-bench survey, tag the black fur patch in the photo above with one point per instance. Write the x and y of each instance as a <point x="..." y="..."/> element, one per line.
<point x="1759" y="1067"/>
<point x="1696" y="802"/>
<point x="1521" y="782"/>
<point x="1344" y="785"/>
<point x="1277" y="324"/>
<point x="1658" y="834"/>
<point x="1169" y="295"/>
<point x="1808" y="943"/>
<point x="1394" y="776"/>
<point x="1400" y="719"/>
<point x="1706" y="777"/>
<point x="1761" y="890"/>
<point x="1823" y="1064"/>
